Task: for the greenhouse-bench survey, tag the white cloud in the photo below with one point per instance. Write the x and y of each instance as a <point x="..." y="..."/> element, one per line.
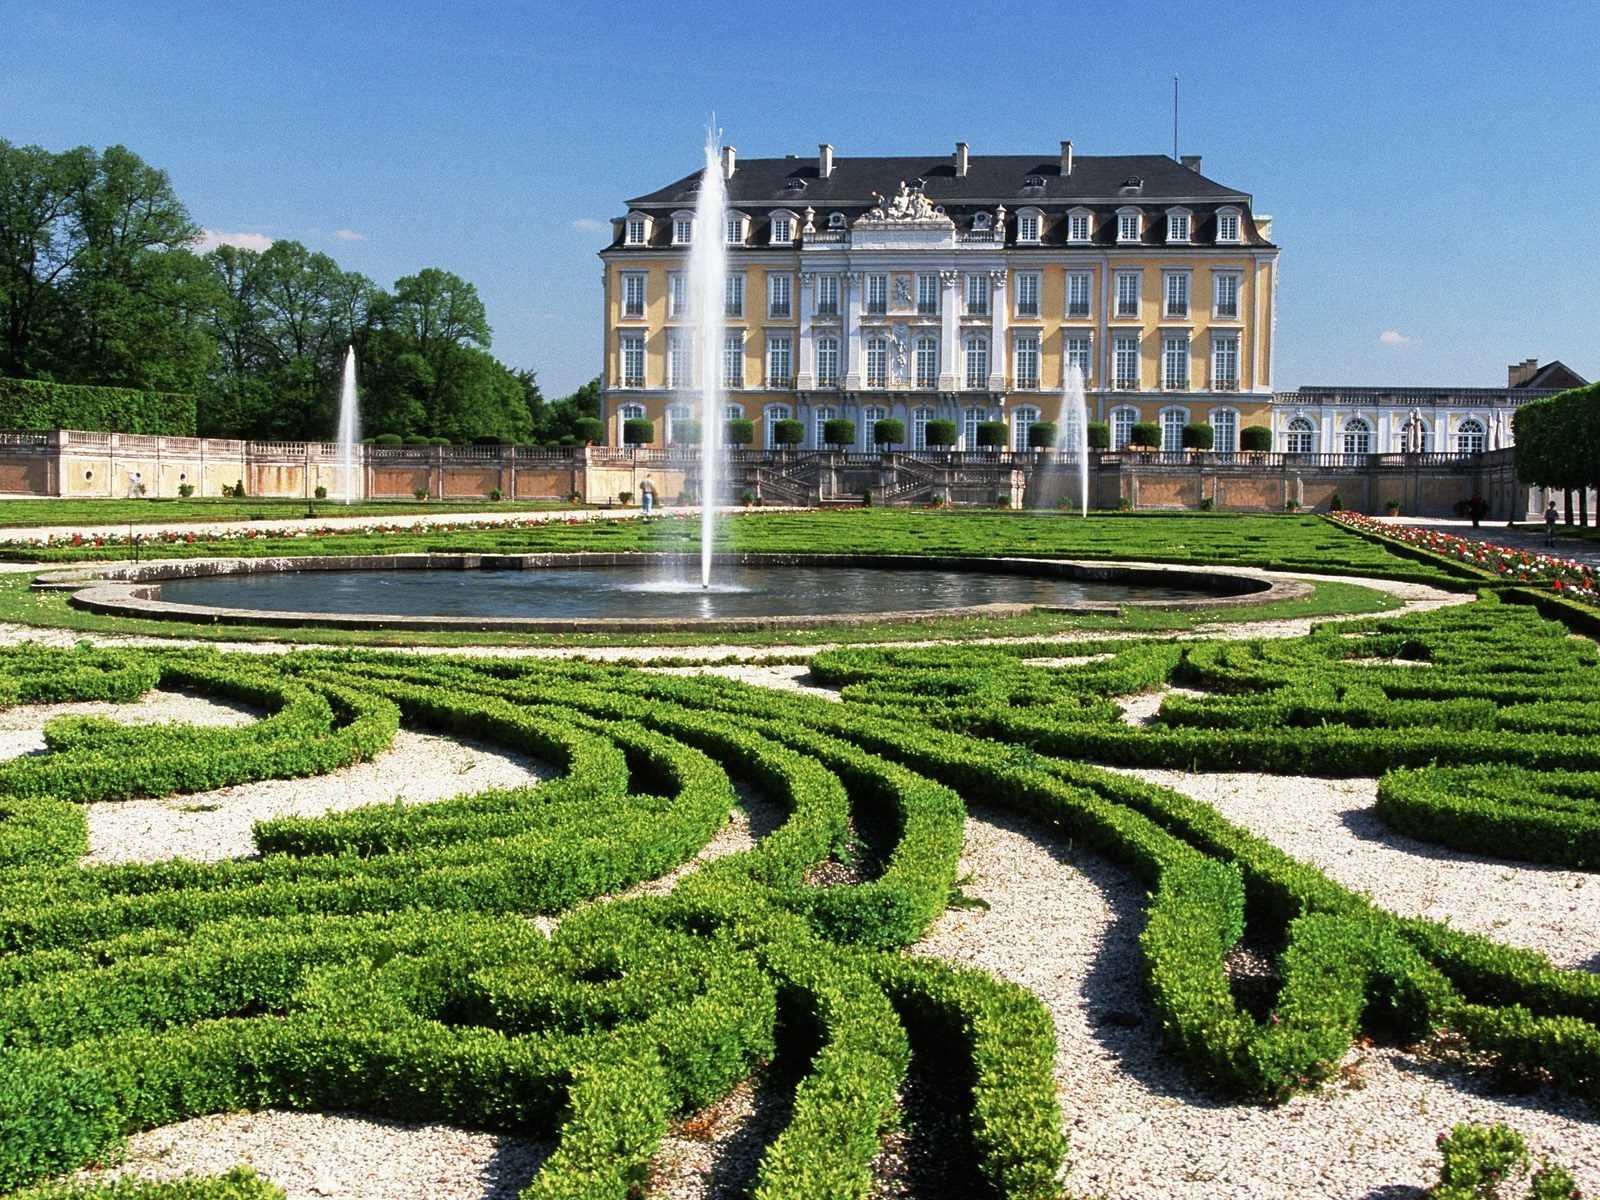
<point x="210" y="239"/>
<point x="349" y="235"/>
<point x="590" y="225"/>
<point x="1390" y="338"/>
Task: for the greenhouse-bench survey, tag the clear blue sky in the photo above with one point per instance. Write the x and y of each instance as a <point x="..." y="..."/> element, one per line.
<point x="1433" y="168"/>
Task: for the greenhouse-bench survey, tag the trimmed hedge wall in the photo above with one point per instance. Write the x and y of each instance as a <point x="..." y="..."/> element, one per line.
<point x="39" y="404"/>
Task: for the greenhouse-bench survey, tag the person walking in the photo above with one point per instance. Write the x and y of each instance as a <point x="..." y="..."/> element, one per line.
<point x="1550" y="516"/>
<point x="647" y="496"/>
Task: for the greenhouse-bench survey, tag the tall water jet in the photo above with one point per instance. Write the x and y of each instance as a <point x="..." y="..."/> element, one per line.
<point x="708" y="273"/>
<point x="1073" y="432"/>
<point x="349" y="427"/>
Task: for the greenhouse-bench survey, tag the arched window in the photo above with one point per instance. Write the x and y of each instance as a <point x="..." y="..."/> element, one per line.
<point x="971" y="418"/>
<point x="919" y="427"/>
<point x="1022" y="420"/>
<point x="1471" y="437"/>
<point x="1301" y="437"/>
<point x="631" y="412"/>
<point x="977" y="365"/>
<point x="734" y="412"/>
<point x="1172" y="422"/>
<point x="870" y="416"/>
<point x="927" y="359"/>
<point x="1224" y="430"/>
<point x="1122" y="423"/>
<point x="827" y="362"/>
<point x="1357" y="436"/>
<point x="771" y="416"/>
<point x="821" y="416"/>
<point x="676" y="415"/>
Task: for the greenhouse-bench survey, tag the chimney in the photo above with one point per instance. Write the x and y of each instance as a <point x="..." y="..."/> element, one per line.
<point x="1192" y="161"/>
<point x="727" y="162"/>
<point x="824" y="160"/>
<point x="1066" y="159"/>
<point x="961" y="160"/>
<point x="1518" y="374"/>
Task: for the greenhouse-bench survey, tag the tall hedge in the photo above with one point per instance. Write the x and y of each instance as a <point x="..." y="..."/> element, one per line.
<point x="27" y="404"/>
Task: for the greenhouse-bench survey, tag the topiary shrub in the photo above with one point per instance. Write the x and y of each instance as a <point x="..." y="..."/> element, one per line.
<point x="1099" y="435"/>
<point x="840" y="431"/>
<point x="638" y="431"/>
<point x="739" y="431"/>
<point x="1042" y="435"/>
<point x="416" y="439"/>
<point x="388" y="439"/>
<point x="941" y="434"/>
<point x="788" y="433"/>
<point x="1255" y="438"/>
<point x="589" y="429"/>
<point x="1197" y="435"/>
<point x="992" y="435"/>
<point x="1146" y="435"/>
<point x="686" y="433"/>
<point x="888" y="432"/>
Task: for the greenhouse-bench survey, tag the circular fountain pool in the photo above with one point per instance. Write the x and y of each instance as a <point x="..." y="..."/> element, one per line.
<point x="575" y="592"/>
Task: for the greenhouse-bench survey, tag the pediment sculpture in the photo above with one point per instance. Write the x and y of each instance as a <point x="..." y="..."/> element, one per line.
<point x="908" y="205"/>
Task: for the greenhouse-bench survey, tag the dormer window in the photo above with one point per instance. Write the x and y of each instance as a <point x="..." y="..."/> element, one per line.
<point x="980" y="222"/>
<point x="783" y="229"/>
<point x="1034" y="181"/>
<point x="836" y="221"/>
<point x="1178" y="224"/>
<point x="1228" y="226"/>
<point x="1129" y="227"/>
<point x="1079" y="226"/>
<point x="1029" y="224"/>
<point x="682" y="229"/>
<point x="733" y="234"/>
<point x="636" y="230"/>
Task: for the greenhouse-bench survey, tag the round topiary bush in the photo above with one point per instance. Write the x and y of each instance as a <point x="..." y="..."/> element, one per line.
<point x="1099" y="435"/>
<point x="1255" y="438"/>
<point x="1146" y="435"/>
<point x="1197" y="435"/>
<point x="888" y="432"/>
<point x="589" y="429"/>
<point x="1042" y="435"/>
<point x="637" y="431"/>
<point x="992" y="435"/>
<point x="939" y="433"/>
<point x="840" y="431"/>
<point x="739" y="431"/>
<point x="686" y="433"/>
<point x="788" y="432"/>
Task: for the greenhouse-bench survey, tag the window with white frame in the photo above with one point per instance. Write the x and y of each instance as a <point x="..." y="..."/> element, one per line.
<point x="1028" y="294"/>
<point x="926" y="356"/>
<point x="771" y="415"/>
<point x="677" y="414"/>
<point x="1025" y="365"/>
<point x="1225" y="294"/>
<point x="919" y="427"/>
<point x="977" y="362"/>
<point x="632" y="354"/>
<point x="1175" y="361"/>
<point x="733" y="232"/>
<point x="927" y="295"/>
<point x="877" y="361"/>
<point x="1028" y="228"/>
<point x="780" y="296"/>
<point x="971" y="418"/>
<point x="1225" y="362"/>
<point x="1080" y="354"/>
<point x="1471" y="437"/>
<point x="1079" y="227"/>
<point x="827" y="295"/>
<point x="828" y="362"/>
<point x="875" y="294"/>
<point x="733" y="412"/>
<point x="635" y="231"/>
<point x="680" y="358"/>
<point x="780" y="360"/>
<point x="1127" y="293"/>
<point x="1357" y="435"/>
<point x="1080" y="286"/>
<point x="1125" y="362"/>
<point x="978" y="295"/>
<point x="1224" y="430"/>
<point x="677" y="296"/>
<point x="819" y="420"/>
<point x="682" y="230"/>
<point x="1128" y="226"/>
<point x="1178" y="226"/>
<point x="782" y="229"/>
<point x="1176" y="290"/>
<point x="1227" y="226"/>
<point x="733" y="359"/>
<point x="1122" y="422"/>
<point x="631" y="412"/>
<point x="1172" y="422"/>
<point x="1022" y="420"/>
<point x="870" y="416"/>
<point x="633" y="295"/>
<point x="733" y="295"/>
<point x="1300" y="437"/>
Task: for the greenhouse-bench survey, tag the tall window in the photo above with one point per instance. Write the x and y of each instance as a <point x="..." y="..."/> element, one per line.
<point x="1122" y="423"/>
<point x="772" y="414"/>
<point x="1078" y="285"/>
<point x="780" y="296"/>
<point x="1028" y="295"/>
<point x="1227" y="227"/>
<point x="977" y="373"/>
<point x="733" y="296"/>
<point x="877" y="294"/>
<point x="1172" y="422"/>
<point x="680" y="358"/>
<point x="782" y="231"/>
<point x="877" y="357"/>
<point x="1125" y="363"/>
<point x="1357" y="436"/>
<point x="927" y="362"/>
<point x="1027" y="360"/>
<point x="820" y="418"/>
<point x="971" y="418"/>
<point x="632" y="360"/>
<point x="1127" y="294"/>
<point x="1224" y="430"/>
<point x="633" y="295"/>
<point x="1175" y="361"/>
<point x="1022" y="420"/>
<point x="1300" y="437"/>
<point x="682" y="231"/>
<point x="927" y="295"/>
<point x="870" y="416"/>
<point x="827" y="362"/>
<point x="978" y="295"/>
<point x="1128" y="227"/>
<point x="1178" y="227"/>
<point x="1078" y="227"/>
<point x="1226" y="284"/>
<point x="1471" y="437"/>
<point x="1177" y="292"/>
<point x="733" y="360"/>
<point x="1225" y="363"/>
<point x="677" y="414"/>
<point x="919" y="427"/>
<point x="633" y="234"/>
<point x="677" y="295"/>
<point x="1080" y="355"/>
<point x="827" y="295"/>
<point x="780" y="360"/>
<point x="1028" y="227"/>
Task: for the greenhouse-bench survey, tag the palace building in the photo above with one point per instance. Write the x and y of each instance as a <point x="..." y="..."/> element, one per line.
<point x="959" y="288"/>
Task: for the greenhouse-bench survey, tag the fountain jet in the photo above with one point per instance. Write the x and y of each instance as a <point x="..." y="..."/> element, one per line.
<point x="349" y="427"/>
<point x="708" y="273"/>
<point x="1073" y="431"/>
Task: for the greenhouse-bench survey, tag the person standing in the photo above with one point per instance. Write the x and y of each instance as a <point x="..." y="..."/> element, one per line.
<point x="647" y="496"/>
<point x="1550" y="515"/>
<point x="1478" y="507"/>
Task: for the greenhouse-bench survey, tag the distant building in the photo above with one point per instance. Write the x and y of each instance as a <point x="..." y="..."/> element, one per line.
<point x="1394" y="420"/>
<point x="957" y="288"/>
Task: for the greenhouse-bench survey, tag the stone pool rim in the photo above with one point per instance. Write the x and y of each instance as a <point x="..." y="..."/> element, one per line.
<point x="133" y="590"/>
